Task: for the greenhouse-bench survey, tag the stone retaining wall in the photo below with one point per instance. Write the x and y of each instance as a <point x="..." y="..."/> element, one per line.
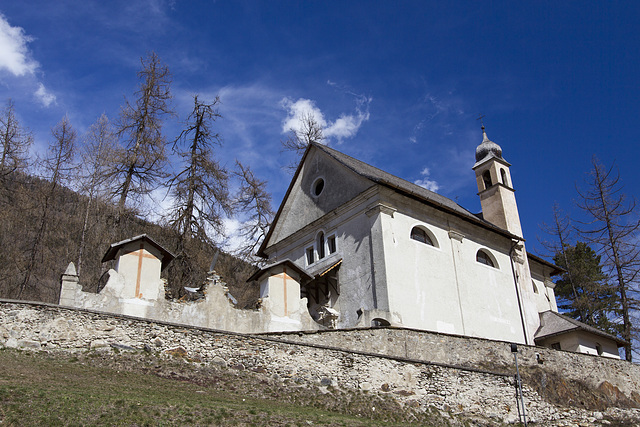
<point x="421" y="385"/>
<point x="477" y="353"/>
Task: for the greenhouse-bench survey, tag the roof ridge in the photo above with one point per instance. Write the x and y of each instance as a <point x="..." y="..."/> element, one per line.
<point x="400" y="184"/>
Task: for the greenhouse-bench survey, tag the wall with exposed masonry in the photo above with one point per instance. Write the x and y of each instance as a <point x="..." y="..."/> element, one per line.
<point x="420" y="370"/>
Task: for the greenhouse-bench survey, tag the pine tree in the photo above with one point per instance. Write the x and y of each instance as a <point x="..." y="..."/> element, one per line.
<point x="583" y="290"/>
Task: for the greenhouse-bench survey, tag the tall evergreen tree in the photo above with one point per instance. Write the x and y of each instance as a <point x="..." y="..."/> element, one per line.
<point x="583" y="289"/>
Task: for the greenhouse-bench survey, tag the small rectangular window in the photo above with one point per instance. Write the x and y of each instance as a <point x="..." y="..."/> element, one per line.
<point x="556" y="346"/>
<point x="331" y="244"/>
<point x="310" y="257"/>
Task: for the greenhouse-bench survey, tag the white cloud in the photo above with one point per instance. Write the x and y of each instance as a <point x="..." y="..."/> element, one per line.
<point x="346" y="126"/>
<point x="425" y="182"/>
<point x="299" y="109"/>
<point x="44" y="96"/>
<point x="14" y="54"/>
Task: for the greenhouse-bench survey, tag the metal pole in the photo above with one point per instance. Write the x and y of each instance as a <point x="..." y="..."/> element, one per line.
<point x="519" y="386"/>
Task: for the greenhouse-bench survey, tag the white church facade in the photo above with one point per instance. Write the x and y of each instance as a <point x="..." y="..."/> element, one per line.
<point x="380" y="250"/>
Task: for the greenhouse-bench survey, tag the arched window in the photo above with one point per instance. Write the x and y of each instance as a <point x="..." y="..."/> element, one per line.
<point x="486" y="177"/>
<point x="503" y="174"/>
<point x="420" y="235"/>
<point x="320" y="245"/>
<point x="535" y="288"/>
<point x="378" y="322"/>
<point x="483" y="257"/>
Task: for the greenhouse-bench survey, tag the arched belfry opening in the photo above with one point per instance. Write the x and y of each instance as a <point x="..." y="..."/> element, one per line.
<point x="486" y="178"/>
<point x="503" y="175"/>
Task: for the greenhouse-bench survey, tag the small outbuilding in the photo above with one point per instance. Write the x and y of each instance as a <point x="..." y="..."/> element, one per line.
<point x="564" y="333"/>
<point x="140" y="261"/>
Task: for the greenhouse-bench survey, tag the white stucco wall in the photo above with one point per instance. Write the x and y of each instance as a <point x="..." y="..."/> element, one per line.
<point x="444" y="288"/>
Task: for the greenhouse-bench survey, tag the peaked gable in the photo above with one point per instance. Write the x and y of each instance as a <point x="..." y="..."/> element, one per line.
<point x="321" y="183"/>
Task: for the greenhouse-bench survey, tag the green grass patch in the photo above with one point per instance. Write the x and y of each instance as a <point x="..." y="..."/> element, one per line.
<point x="40" y="389"/>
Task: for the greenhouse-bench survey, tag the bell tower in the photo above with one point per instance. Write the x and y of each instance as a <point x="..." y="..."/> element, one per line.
<point x="495" y="188"/>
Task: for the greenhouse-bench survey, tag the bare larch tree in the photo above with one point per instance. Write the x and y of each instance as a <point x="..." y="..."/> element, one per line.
<point x="253" y="200"/>
<point x="299" y="139"/>
<point x="98" y="152"/>
<point x="57" y="168"/>
<point x="200" y="190"/>
<point x="614" y="230"/>
<point x="15" y="143"/>
<point x="141" y="164"/>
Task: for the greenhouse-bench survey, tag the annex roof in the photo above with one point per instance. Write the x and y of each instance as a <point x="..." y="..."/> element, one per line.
<point x="554" y="324"/>
<point x="554" y="268"/>
<point x="112" y="252"/>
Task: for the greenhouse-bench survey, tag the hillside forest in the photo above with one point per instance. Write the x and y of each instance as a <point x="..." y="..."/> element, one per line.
<point x="89" y="190"/>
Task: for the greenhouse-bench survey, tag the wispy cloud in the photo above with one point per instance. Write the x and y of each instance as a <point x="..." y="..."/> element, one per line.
<point x="14" y="53"/>
<point x="441" y="113"/>
<point x="425" y="182"/>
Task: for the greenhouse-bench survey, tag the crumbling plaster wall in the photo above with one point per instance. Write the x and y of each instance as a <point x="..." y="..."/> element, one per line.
<point x="468" y="391"/>
<point x="214" y="311"/>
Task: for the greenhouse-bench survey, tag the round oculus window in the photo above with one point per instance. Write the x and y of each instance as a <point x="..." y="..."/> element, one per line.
<point x="317" y="187"/>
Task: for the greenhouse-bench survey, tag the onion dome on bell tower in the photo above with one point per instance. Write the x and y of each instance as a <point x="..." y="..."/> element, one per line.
<point x="487" y="147"/>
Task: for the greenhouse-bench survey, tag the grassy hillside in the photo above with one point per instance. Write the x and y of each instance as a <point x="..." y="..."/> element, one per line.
<point x="22" y="203"/>
<point x="143" y="389"/>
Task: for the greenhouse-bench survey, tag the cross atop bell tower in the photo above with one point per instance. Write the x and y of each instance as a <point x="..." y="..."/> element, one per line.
<point x="497" y="196"/>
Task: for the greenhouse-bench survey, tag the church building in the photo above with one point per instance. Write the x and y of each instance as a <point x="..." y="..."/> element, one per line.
<point x="371" y="249"/>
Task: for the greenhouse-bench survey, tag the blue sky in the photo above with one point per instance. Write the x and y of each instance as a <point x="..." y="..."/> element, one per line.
<point x="397" y="84"/>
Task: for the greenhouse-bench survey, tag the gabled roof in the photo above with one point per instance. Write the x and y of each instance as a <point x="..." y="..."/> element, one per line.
<point x="554" y="324"/>
<point x="287" y="263"/>
<point x="399" y="185"/>
<point x="167" y="256"/>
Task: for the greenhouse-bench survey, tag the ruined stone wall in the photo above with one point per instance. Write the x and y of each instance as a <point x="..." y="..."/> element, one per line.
<point x="470" y="391"/>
